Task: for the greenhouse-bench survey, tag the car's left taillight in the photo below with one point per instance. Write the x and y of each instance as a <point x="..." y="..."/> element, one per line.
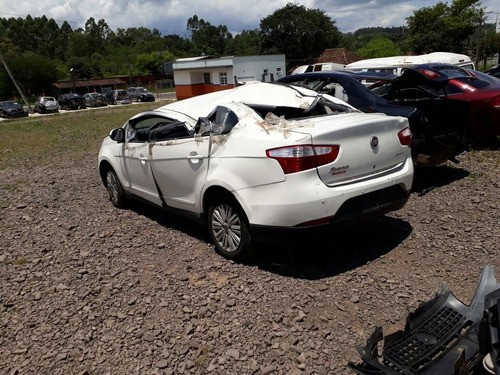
<point x="299" y="158"/>
<point x="405" y="136"/>
<point x="495" y="102"/>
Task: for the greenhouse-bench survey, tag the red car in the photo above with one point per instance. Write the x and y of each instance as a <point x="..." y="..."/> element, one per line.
<point x="433" y="87"/>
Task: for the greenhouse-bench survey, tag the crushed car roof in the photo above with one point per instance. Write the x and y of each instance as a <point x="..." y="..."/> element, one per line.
<point x="254" y="93"/>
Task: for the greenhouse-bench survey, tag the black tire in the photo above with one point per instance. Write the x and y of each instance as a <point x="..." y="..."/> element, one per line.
<point x="115" y="189"/>
<point x="229" y="230"/>
<point x="43" y="110"/>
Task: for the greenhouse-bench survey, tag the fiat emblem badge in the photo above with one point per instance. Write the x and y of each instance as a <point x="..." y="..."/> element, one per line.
<point x="374" y="142"/>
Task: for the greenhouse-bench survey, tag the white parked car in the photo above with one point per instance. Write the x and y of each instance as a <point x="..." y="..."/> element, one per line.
<point x="261" y="159"/>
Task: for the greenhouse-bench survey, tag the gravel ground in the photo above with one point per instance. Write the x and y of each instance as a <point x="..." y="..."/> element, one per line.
<point x="90" y="289"/>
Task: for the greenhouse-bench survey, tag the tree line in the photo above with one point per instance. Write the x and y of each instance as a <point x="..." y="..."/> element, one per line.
<point x="38" y="51"/>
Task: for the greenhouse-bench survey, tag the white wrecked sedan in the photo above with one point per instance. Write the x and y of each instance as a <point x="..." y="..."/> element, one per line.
<point x="260" y="159"/>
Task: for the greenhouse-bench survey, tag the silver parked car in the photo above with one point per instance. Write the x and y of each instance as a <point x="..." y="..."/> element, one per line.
<point x="140" y="94"/>
<point x="44" y="104"/>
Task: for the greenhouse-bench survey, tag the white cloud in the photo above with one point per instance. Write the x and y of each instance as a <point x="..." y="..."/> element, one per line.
<point x="170" y="16"/>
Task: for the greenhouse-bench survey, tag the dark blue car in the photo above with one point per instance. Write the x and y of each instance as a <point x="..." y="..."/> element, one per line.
<point x="10" y="109"/>
<point x="434" y="142"/>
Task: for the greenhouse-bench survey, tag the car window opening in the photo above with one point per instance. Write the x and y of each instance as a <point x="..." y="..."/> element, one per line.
<point x="319" y="107"/>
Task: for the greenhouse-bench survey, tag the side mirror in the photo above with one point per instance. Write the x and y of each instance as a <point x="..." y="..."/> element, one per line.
<point x="117" y="135"/>
<point x="202" y="126"/>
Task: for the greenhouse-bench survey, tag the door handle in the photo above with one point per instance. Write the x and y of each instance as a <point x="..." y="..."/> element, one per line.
<point x="195" y="157"/>
<point x="143" y="159"/>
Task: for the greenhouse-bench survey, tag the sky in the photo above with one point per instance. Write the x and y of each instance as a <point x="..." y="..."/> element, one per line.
<point x="170" y="16"/>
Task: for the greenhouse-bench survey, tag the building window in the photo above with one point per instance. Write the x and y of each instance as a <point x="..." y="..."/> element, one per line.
<point x="206" y="78"/>
<point x="223" y="78"/>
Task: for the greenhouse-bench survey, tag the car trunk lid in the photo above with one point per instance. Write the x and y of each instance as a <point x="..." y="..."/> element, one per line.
<point x="369" y="146"/>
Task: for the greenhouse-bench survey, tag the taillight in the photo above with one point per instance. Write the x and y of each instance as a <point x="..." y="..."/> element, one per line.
<point x="461" y="85"/>
<point x="300" y="158"/>
<point x="405" y="136"/>
<point x="496" y="101"/>
<point x="428" y="73"/>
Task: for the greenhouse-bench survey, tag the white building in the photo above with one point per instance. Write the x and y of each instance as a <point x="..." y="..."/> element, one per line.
<point x="200" y="75"/>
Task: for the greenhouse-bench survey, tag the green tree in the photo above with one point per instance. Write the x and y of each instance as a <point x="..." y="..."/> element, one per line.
<point x="487" y="44"/>
<point x="444" y="27"/>
<point x="33" y="73"/>
<point x="151" y="63"/>
<point x="379" y="47"/>
<point x="208" y="39"/>
<point x="359" y="38"/>
<point x="247" y="43"/>
<point x="298" y="32"/>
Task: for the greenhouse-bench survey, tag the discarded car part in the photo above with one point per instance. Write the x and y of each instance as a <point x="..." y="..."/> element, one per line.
<point x="489" y="339"/>
<point x="442" y="336"/>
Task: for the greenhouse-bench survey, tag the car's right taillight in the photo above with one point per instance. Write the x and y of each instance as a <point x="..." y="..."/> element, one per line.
<point x="405" y="136"/>
<point x="299" y="158"/>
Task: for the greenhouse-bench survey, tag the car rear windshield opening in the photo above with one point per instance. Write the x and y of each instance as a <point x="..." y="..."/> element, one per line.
<point x="319" y="107"/>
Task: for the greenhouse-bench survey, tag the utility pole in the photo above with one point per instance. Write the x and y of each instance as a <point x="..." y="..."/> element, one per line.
<point x="15" y="83"/>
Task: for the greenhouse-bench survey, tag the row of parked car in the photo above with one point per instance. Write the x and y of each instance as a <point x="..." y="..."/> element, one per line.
<point x="71" y="101"/>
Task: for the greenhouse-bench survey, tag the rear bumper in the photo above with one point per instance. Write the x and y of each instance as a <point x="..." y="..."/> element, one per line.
<point x="354" y="211"/>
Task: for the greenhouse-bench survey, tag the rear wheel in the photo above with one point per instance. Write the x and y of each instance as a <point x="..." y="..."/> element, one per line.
<point x="115" y="189"/>
<point x="229" y="229"/>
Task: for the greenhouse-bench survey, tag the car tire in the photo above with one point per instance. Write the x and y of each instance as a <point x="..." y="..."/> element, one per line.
<point x="229" y="229"/>
<point x="115" y="189"/>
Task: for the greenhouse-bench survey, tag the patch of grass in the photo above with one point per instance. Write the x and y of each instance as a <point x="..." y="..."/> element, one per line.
<point x="9" y="187"/>
<point x="202" y="360"/>
<point x="21" y="261"/>
<point x="44" y="139"/>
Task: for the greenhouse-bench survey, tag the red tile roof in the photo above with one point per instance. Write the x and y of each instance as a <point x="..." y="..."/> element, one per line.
<point x="337" y="55"/>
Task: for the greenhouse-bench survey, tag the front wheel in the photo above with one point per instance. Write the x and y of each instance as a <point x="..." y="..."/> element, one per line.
<point x="115" y="189"/>
<point x="229" y="229"/>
